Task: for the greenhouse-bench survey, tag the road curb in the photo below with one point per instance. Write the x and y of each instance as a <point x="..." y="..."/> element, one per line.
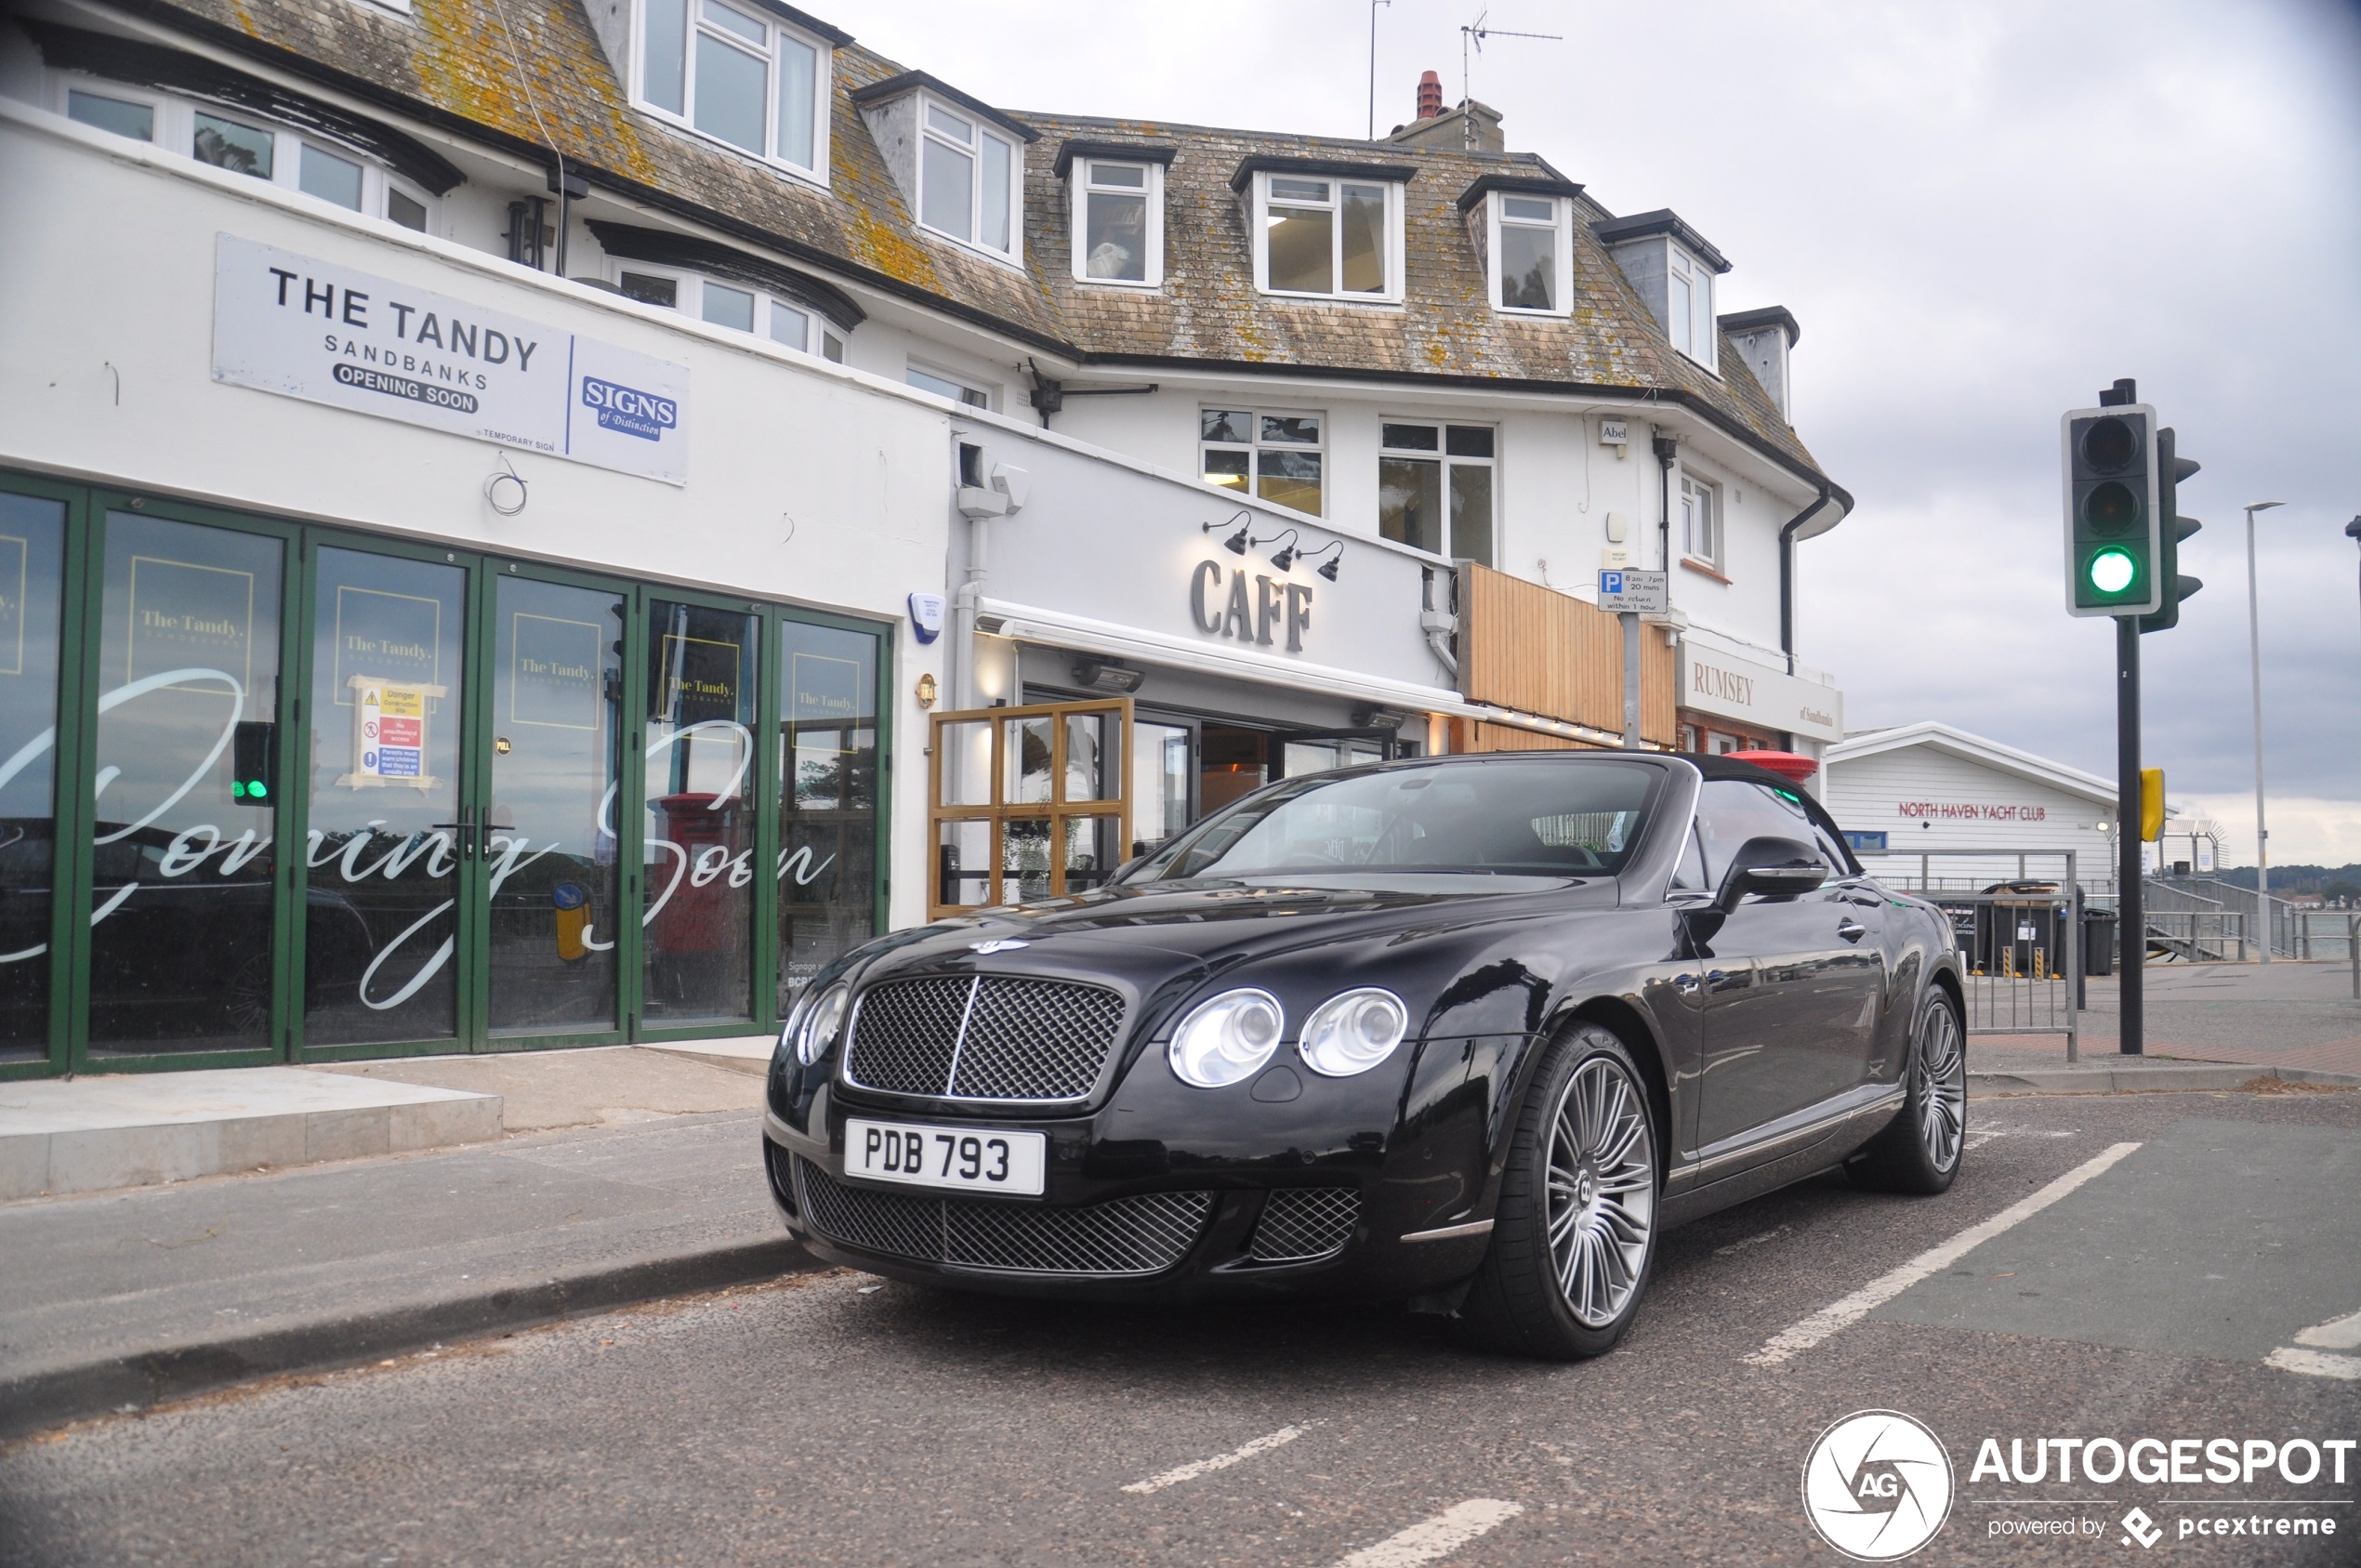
<point x="37" y="1401"/>
<point x="2147" y="1076"/>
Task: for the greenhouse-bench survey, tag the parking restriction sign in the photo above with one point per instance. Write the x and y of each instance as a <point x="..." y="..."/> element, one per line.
<point x="1643" y="591"/>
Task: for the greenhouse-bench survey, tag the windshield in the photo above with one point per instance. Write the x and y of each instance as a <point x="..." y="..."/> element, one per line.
<point x="1528" y="816"/>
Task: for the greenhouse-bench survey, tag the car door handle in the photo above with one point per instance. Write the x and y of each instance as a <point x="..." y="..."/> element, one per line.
<point x="1851" y="929"/>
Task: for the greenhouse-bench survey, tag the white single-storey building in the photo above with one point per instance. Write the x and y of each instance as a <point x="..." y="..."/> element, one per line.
<point x="1905" y="793"/>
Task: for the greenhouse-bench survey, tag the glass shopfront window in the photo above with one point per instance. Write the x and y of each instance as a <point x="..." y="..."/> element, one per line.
<point x="184" y="923"/>
<point x="281" y="792"/>
<point x="33" y="531"/>
<point x="829" y="798"/>
<point x="700" y="761"/>
<point x="383" y="844"/>
<point x="549" y="843"/>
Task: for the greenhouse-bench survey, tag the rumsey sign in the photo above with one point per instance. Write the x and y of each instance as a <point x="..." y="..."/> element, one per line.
<point x="309" y="329"/>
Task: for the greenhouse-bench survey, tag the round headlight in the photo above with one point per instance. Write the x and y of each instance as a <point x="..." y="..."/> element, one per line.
<point x="821" y="1023"/>
<point x="1227" y="1039"/>
<point x="1354" y="1032"/>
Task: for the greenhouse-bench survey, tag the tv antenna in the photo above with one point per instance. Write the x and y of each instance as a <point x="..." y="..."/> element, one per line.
<point x="1474" y="34"/>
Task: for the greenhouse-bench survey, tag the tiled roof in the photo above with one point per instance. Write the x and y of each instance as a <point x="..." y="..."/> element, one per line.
<point x="456" y="64"/>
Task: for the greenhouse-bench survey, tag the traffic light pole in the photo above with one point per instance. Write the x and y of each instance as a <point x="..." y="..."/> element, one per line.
<point x="2131" y="926"/>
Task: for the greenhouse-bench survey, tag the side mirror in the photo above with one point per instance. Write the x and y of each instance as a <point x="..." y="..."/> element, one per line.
<point x="1775" y="867"/>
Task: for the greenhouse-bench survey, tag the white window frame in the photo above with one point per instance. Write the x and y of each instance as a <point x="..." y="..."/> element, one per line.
<point x="1446" y="461"/>
<point x="1257" y="447"/>
<point x="1561" y="286"/>
<point x="1685" y="279"/>
<point x="927" y="106"/>
<point x="972" y="393"/>
<point x="684" y="119"/>
<point x="821" y="335"/>
<point x="1699" y="495"/>
<point x="1390" y="295"/>
<point x="174" y="124"/>
<point x="1082" y="184"/>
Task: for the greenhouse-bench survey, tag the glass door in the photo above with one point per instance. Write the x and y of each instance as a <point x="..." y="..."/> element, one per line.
<point x="32" y="568"/>
<point x="548" y="835"/>
<point x="700" y="823"/>
<point x="184" y="934"/>
<point x="388" y="933"/>
<point x="1316" y="751"/>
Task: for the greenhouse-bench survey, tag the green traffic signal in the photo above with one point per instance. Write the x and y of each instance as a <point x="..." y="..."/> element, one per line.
<point x="2112" y="571"/>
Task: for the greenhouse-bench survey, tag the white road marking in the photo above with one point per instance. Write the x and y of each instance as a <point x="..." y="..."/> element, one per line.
<point x="2342" y="1334"/>
<point x="1983" y="1133"/>
<point x="1439" y="1536"/>
<point x="1842" y="1313"/>
<point x="1180" y="1473"/>
<point x="2315" y="1363"/>
<point x="1745" y="1241"/>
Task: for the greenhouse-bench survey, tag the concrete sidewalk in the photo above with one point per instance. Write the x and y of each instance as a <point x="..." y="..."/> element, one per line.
<point x="117" y="1301"/>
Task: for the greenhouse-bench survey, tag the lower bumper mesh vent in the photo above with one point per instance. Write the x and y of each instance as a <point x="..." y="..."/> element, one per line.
<point x="1299" y="1224"/>
<point x="1142" y="1235"/>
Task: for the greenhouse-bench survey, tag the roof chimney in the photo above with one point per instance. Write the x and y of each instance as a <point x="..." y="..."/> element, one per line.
<point x="1430" y="96"/>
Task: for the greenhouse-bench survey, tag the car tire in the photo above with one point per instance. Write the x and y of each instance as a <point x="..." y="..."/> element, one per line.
<point x="1921" y="1149"/>
<point x="1575" y="1233"/>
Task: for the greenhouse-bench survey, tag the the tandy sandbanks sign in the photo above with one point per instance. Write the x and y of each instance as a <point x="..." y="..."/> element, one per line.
<point x="311" y="329"/>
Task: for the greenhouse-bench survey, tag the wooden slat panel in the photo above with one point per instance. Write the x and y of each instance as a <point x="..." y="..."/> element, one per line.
<point x="1539" y="651"/>
<point x="1657" y="680"/>
<point x="1481" y="736"/>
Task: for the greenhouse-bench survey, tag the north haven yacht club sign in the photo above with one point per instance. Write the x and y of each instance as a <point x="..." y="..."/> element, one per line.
<point x="311" y="329"/>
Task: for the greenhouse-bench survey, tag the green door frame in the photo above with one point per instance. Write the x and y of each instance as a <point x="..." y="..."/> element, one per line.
<point x="74" y="759"/>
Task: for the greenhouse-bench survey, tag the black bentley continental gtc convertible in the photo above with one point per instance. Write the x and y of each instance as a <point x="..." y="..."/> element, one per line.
<point x="1470" y="1030"/>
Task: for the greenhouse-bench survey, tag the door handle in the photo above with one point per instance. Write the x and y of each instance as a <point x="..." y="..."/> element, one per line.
<point x="1851" y="929"/>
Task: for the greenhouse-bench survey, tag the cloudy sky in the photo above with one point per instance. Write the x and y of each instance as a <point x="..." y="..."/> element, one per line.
<point x="1981" y="214"/>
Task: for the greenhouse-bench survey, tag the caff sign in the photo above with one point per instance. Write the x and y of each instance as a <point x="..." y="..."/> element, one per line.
<point x="1254" y="608"/>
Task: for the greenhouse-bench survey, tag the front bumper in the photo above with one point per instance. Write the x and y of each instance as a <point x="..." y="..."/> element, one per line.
<point x="1243" y="1199"/>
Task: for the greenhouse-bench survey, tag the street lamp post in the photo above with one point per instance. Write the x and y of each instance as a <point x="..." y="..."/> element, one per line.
<point x="2254" y="655"/>
<point x="2353" y="529"/>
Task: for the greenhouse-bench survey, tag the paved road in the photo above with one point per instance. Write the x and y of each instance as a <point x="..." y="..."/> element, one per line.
<point x="832" y="1419"/>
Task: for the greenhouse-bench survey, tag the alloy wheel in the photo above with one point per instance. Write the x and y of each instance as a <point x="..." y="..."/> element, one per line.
<point x="1943" y="1086"/>
<point x="1602" y="1188"/>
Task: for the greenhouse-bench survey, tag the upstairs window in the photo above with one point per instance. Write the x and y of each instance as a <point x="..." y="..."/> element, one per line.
<point x="739" y="307"/>
<point x="736" y="75"/>
<point x="1435" y="488"/>
<point x="967" y="180"/>
<point x="1701" y="522"/>
<point x="966" y="394"/>
<point x="1689" y="306"/>
<point x="1273" y="458"/>
<point x="253" y="147"/>
<point x="1324" y="238"/>
<point x="1118" y="222"/>
<point x="1531" y="264"/>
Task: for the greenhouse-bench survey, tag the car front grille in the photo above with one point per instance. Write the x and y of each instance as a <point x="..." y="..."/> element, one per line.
<point x="987" y="1037"/>
<point x="1142" y="1235"/>
<point x="1299" y="1224"/>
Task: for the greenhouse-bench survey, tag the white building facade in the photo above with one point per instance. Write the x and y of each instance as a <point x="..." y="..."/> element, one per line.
<point x="1911" y="797"/>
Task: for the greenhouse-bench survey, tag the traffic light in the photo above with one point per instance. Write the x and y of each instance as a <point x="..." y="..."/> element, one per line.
<point x="2171" y="528"/>
<point x="2111" y="488"/>
<point x="253" y="750"/>
<point x="2151" y="805"/>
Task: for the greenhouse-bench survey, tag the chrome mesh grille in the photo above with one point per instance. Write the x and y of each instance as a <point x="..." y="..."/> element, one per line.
<point x="1142" y="1235"/>
<point x="1036" y="1039"/>
<point x="1299" y="1224"/>
<point x="906" y="1033"/>
<point x="992" y="1037"/>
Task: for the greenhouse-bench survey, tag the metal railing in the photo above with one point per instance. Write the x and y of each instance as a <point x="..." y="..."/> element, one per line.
<point x="2022" y="943"/>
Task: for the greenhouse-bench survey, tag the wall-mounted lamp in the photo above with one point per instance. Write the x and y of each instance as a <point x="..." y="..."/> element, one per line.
<point x="1236" y="542"/>
<point x="1287" y="552"/>
<point x="1334" y="553"/>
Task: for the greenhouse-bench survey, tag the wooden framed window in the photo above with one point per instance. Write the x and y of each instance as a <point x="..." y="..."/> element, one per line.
<point x="1027" y="803"/>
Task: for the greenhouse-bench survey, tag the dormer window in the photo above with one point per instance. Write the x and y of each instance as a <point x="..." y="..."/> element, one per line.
<point x="968" y="184"/>
<point x="1118" y="227"/>
<point x="1532" y="263"/>
<point x="1325" y="230"/>
<point x="738" y="76"/>
<point x="1689" y="307"/>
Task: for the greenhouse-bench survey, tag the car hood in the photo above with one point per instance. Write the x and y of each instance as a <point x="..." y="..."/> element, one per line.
<point x="1213" y="922"/>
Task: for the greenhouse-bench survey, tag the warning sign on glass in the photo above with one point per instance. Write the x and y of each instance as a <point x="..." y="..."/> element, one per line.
<point x="388" y="733"/>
